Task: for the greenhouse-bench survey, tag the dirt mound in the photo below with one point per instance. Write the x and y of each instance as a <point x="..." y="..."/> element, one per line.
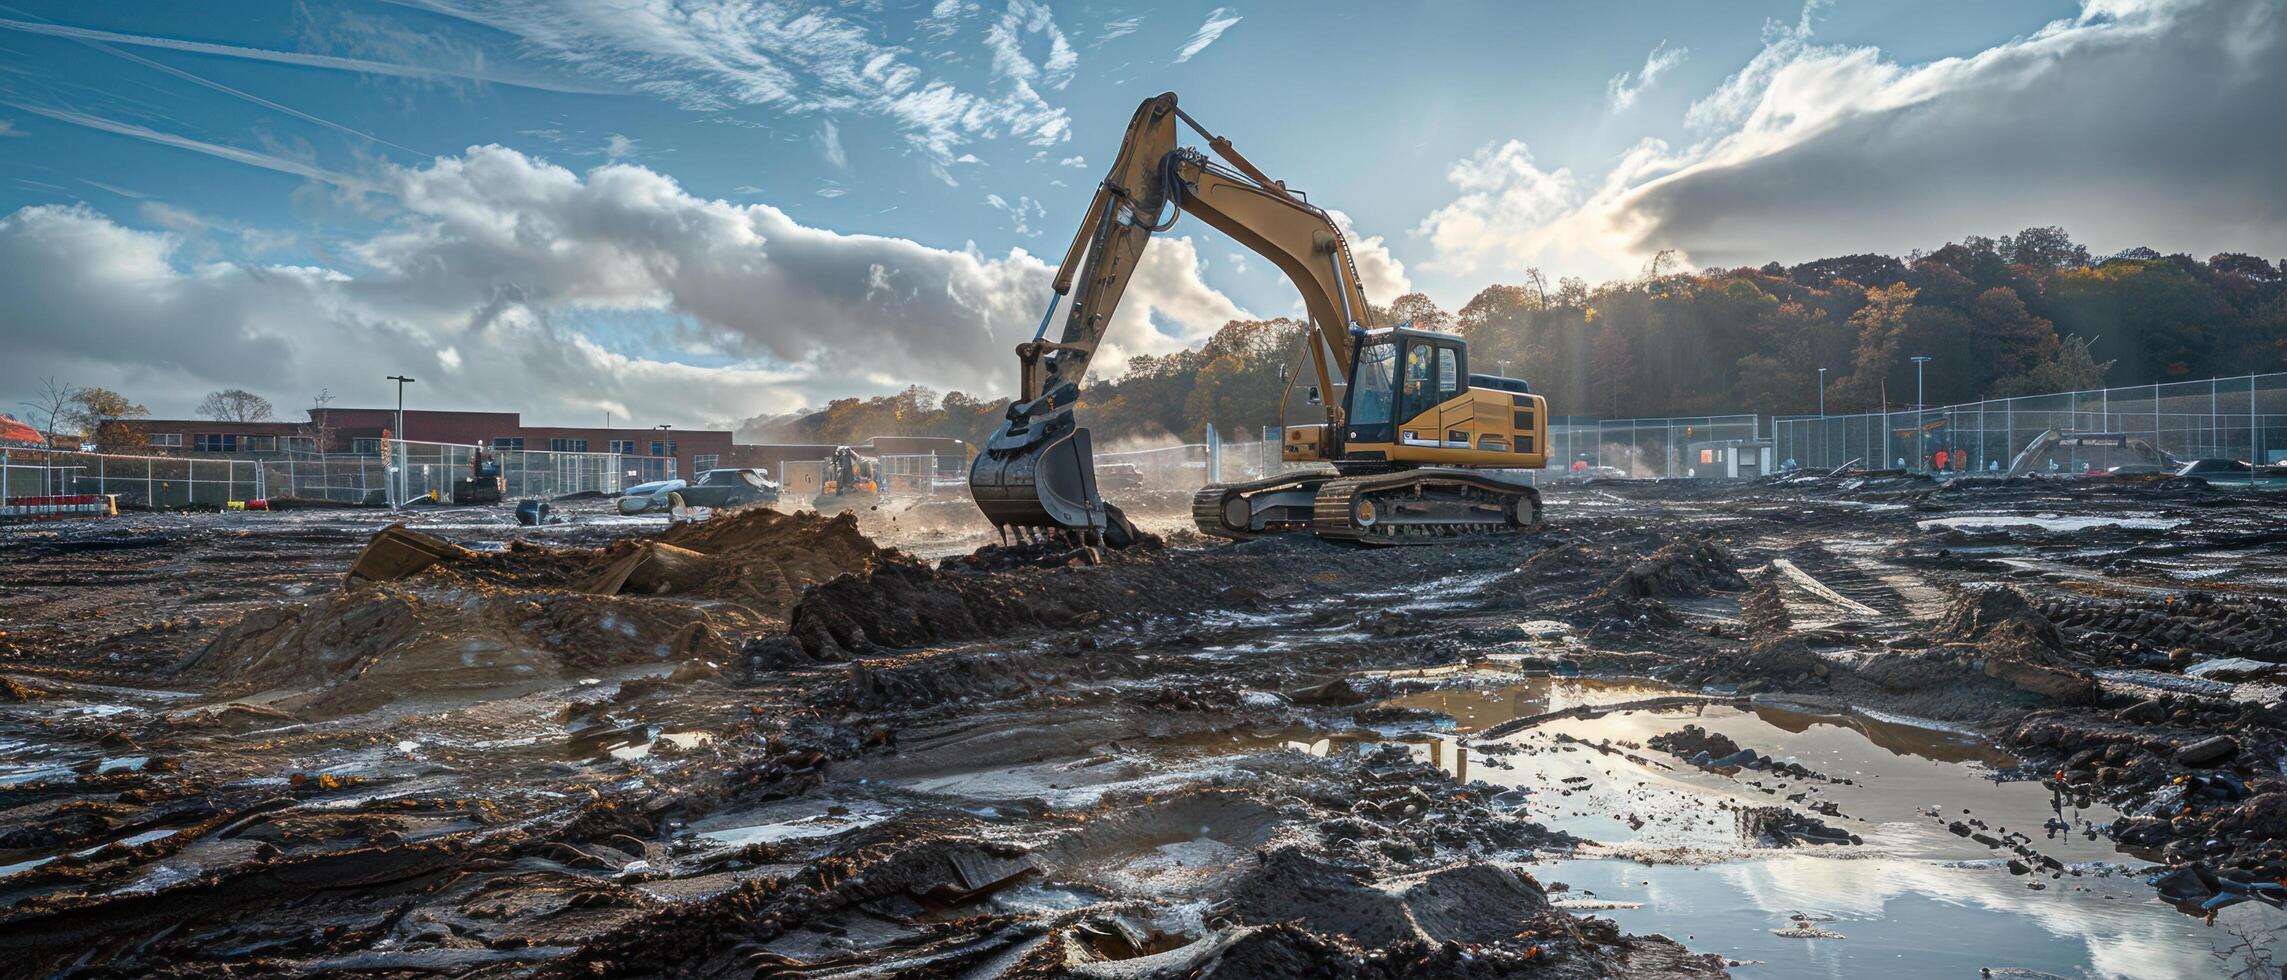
<point x="354" y="651"/>
<point x="901" y="602"/>
<point x="1977" y="615"/>
<point x="1678" y="569"/>
<point x="1782" y="661"/>
<point x="754" y="556"/>
<point x="1764" y="607"/>
<point x="2017" y="644"/>
<point x="1469" y="903"/>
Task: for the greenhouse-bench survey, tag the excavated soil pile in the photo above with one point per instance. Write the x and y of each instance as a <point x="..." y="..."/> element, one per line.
<point x="535" y="615"/>
<point x="354" y="651"/>
<point x="756" y="557"/>
<point x="902" y="602"/>
<point x="2017" y="644"/>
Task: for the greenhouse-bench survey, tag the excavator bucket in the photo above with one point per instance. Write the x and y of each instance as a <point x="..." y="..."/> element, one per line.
<point x="1048" y="484"/>
<point x="1037" y="475"/>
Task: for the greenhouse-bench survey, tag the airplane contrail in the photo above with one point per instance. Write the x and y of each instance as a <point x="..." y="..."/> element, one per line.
<point x="326" y="61"/>
<point x="249" y="157"/>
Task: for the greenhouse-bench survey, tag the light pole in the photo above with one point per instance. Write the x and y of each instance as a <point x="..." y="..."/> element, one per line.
<point x="662" y="450"/>
<point x="1822" y="393"/>
<point x="402" y="381"/>
<point x="1921" y="426"/>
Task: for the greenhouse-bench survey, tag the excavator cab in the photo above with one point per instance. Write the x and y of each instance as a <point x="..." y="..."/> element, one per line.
<point x="1412" y="400"/>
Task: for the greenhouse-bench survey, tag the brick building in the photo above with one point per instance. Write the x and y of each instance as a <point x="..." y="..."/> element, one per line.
<point x="360" y="431"/>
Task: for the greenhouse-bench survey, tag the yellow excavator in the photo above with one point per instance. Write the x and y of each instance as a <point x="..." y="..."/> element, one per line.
<point x="1417" y="445"/>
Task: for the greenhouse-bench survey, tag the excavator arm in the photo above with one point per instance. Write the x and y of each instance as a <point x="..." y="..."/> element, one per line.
<point x="1151" y="173"/>
<point x="1037" y="471"/>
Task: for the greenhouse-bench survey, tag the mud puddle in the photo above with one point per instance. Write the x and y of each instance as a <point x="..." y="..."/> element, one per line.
<point x="1675" y="855"/>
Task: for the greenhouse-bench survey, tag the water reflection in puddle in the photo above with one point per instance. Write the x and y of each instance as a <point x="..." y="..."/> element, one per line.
<point x="1890" y="900"/>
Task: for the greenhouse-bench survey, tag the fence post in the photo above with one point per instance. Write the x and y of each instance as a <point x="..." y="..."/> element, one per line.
<point x="2254" y="434"/>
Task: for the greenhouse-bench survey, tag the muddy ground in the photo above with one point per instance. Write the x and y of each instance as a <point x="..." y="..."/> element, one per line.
<point x="1786" y="728"/>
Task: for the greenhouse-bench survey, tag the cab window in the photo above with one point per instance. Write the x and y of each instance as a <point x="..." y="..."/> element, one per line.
<point x="1371" y="393"/>
<point x="1420" y="365"/>
<point x="1448" y="374"/>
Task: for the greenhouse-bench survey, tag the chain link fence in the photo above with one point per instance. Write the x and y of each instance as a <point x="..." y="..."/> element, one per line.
<point x="923" y="474"/>
<point x="339" y="478"/>
<point x="421" y="469"/>
<point x="1643" y="448"/>
<point x="2158" y="425"/>
<point x="140" y="482"/>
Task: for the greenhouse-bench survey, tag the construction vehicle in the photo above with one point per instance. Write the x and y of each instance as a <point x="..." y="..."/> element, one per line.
<point x="484" y="485"/>
<point x="1413" y="443"/>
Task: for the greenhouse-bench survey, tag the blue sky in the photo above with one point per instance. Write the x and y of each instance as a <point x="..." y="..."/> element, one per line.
<point x="708" y="209"/>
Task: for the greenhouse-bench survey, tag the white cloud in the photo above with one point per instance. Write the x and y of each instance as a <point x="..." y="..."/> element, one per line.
<point x="1006" y="40"/>
<point x="8" y="128"/>
<point x="944" y="19"/>
<point x="2126" y="124"/>
<point x="1167" y="307"/>
<point x="717" y="54"/>
<point x="1380" y="274"/>
<point x="1073" y="161"/>
<point x="1024" y="213"/>
<point x="830" y="145"/>
<point x="492" y="260"/>
<point x="1113" y="30"/>
<point x="1219" y="20"/>
<point x="618" y="147"/>
<point x="1623" y="89"/>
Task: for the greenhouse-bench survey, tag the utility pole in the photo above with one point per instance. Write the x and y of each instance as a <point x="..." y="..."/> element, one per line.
<point x="1921" y="427"/>
<point x="1822" y="393"/>
<point x="402" y="381"/>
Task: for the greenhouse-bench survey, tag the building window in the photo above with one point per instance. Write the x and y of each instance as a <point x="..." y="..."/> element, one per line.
<point x="167" y="440"/>
<point x="624" y="447"/>
<point x="516" y="443"/>
<point x="568" y="445"/>
<point x="212" y="442"/>
<point x="365" y="447"/>
<point x="705" y="463"/>
<point x="301" y="444"/>
<point x="659" y="448"/>
<point x="259" y="444"/>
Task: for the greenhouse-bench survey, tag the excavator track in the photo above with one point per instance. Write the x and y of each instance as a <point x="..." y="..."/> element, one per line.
<point x="1400" y="507"/>
<point x="1423" y="506"/>
<point x="1230" y="510"/>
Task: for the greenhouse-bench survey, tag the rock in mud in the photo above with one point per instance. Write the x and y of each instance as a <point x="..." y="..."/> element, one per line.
<point x="2207" y="751"/>
<point x="1777" y="826"/>
<point x="1693" y="740"/>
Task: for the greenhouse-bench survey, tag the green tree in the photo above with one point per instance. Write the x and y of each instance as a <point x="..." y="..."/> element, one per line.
<point x="2071" y="368"/>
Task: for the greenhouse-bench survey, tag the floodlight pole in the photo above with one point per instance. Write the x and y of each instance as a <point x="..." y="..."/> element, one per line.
<point x="1921" y="425"/>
